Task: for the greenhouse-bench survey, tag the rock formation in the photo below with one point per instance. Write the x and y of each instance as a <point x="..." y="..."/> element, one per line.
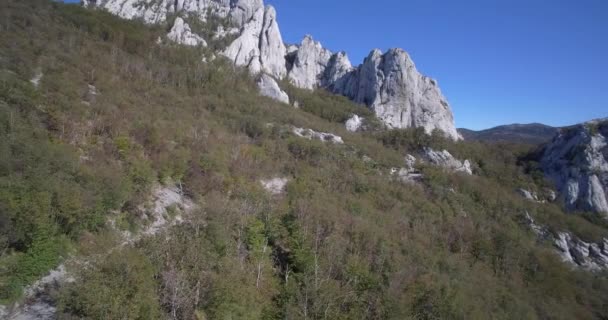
<point x="354" y="123"/>
<point x="388" y="83"/>
<point x="182" y="33"/>
<point x="409" y="173"/>
<point x="571" y="249"/>
<point x="308" y="63"/>
<point x="446" y="160"/>
<point x="269" y="88"/>
<point x="399" y="95"/>
<point x="323" y="136"/>
<point x="274" y="186"/>
<point x="577" y="162"/>
<point x="260" y="46"/>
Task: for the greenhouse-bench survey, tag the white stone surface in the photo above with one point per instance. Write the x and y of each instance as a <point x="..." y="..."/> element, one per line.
<point x="387" y="83"/>
<point x="182" y="33"/>
<point x="409" y="173"/>
<point x="445" y="159"/>
<point x="572" y="250"/>
<point x="270" y="88"/>
<point x="157" y="11"/>
<point x="309" y="64"/>
<point x="400" y="96"/>
<point x="577" y="162"/>
<point x="311" y="134"/>
<point x="274" y="186"/>
<point x="165" y="197"/>
<point x="354" y="123"/>
<point x="528" y="195"/>
<point x="260" y="46"/>
<point x="222" y="32"/>
<point x="36" y="79"/>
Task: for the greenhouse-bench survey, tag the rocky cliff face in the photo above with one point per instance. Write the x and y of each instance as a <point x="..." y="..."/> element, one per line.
<point x="571" y="249"/>
<point x="400" y="96"/>
<point x="260" y="46"/>
<point x="388" y="83"/>
<point x="577" y="161"/>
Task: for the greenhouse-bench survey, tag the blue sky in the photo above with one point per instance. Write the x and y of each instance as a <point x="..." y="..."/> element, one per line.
<point x="497" y="61"/>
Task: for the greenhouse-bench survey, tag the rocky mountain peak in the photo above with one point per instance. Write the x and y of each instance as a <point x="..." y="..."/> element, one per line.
<point x="401" y="97"/>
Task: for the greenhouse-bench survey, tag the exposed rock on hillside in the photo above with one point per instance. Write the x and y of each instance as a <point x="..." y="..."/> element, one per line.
<point x="572" y="250"/>
<point x="387" y="83"/>
<point x="274" y="186"/>
<point x="354" y="123"/>
<point x="577" y="161"/>
<point x="156" y="11"/>
<point x="182" y="34"/>
<point x="269" y="88"/>
<point x="409" y="173"/>
<point x="36" y="79"/>
<point x="323" y="136"/>
<point x="446" y="160"/>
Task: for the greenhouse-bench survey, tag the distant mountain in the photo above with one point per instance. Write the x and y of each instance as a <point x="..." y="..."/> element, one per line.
<point x="533" y="133"/>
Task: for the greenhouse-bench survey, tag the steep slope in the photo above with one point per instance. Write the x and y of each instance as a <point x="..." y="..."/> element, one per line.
<point x="577" y="161"/>
<point x="252" y="209"/>
<point x="533" y="133"/>
<point x="389" y="83"/>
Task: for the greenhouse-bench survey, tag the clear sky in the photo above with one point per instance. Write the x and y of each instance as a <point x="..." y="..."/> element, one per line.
<point x="497" y="61"/>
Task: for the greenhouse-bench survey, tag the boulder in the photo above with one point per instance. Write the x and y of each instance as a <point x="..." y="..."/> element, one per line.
<point x="311" y="134"/>
<point x="269" y="88"/>
<point x="446" y="160"/>
<point x="354" y="123"/>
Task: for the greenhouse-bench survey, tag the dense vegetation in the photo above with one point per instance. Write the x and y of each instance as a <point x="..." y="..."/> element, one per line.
<point x="345" y="241"/>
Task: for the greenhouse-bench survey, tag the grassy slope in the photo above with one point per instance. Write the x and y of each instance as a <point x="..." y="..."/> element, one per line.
<point x="344" y="242"/>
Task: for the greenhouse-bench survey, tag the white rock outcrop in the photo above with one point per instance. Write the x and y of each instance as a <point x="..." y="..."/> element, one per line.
<point x="37" y="78"/>
<point x="528" y="195"/>
<point x="446" y="160"/>
<point x="157" y="11"/>
<point x="182" y="33"/>
<point x="589" y="256"/>
<point x="354" y="123"/>
<point x="315" y="135"/>
<point x="270" y="88"/>
<point x="577" y="162"/>
<point x="222" y="32"/>
<point x="571" y="249"/>
<point x="260" y="46"/>
<point x="274" y="186"/>
<point x="409" y="173"/>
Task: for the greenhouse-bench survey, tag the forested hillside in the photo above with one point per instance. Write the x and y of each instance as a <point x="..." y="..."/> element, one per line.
<point x="96" y="115"/>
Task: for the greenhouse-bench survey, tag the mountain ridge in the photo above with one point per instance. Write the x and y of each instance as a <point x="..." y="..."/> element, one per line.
<point x="387" y="83"/>
<point x="530" y="133"/>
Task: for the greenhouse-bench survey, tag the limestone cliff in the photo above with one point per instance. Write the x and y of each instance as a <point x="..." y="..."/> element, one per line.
<point x="577" y="162"/>
<point x="388" y="83"/>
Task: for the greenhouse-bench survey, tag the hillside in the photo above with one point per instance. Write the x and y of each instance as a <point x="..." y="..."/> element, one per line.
<point x="141" y="181"/>
<point x="533" y="133"/>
